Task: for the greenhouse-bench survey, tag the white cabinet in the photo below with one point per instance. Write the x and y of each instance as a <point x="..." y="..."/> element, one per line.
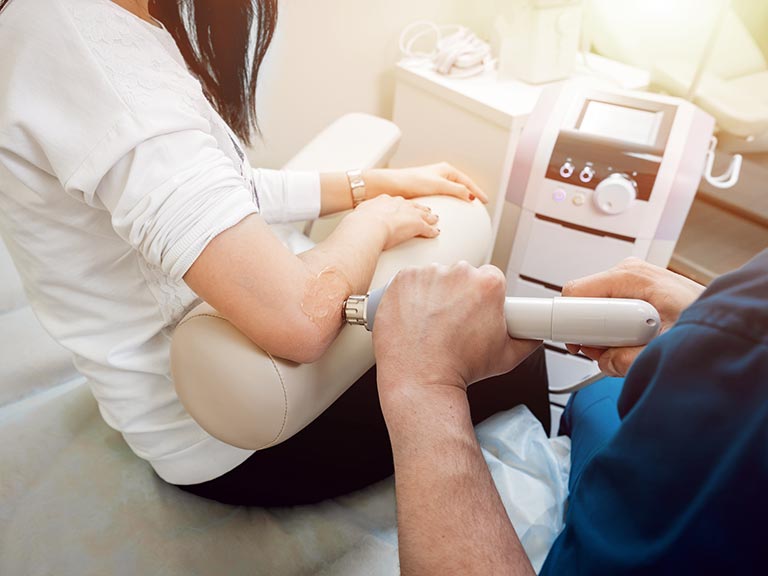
<point x="472" y="123"/>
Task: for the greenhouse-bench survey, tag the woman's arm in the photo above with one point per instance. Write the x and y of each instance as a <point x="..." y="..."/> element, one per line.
<point x="291" y="305"/>
<point x="431" y="180"/>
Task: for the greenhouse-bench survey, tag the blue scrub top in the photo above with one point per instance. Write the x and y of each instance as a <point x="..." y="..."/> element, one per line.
<point x="682" y="485"/>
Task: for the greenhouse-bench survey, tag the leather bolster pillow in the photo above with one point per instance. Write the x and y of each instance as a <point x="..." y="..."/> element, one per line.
<point x="245" y="397"/>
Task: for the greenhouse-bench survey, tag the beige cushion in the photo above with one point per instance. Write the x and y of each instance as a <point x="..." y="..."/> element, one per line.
<point x="246" y="398"/>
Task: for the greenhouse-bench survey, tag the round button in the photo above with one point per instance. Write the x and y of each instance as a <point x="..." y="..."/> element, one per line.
<point x="567" y="169"/>
<point x="587" y="174"/>
<point x="579" y="199"/>
<point x="559" y="195"/>
<point x="615" y="194"/>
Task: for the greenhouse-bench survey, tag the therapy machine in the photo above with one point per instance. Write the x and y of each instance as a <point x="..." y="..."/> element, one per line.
<point x="599" y="177"/>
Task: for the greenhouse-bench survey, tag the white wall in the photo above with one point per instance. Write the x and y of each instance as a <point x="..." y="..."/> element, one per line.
<point x="330" y="57"/>
<point x="336" y="56"/>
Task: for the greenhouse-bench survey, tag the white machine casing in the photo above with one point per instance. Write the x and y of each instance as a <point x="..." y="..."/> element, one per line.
<point x="598" y="177"/>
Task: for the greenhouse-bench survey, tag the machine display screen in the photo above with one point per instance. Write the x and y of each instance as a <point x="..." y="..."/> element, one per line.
<point x="621" y="123"/>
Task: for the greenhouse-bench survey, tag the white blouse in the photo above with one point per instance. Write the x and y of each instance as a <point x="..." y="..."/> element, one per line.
<point x="115" y="173"/>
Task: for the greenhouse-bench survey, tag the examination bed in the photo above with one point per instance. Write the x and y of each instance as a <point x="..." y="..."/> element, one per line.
<point x="733" y="86"/>
<point x="75" y="500"/>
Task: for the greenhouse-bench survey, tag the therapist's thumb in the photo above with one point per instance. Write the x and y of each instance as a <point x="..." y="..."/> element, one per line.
<point x="618" y="361"/>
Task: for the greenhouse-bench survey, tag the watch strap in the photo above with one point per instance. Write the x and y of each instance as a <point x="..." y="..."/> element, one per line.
<point x="357" y="186"/>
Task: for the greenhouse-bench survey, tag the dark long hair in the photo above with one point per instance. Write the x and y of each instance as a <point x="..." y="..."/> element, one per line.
<point x="224" y="44"/>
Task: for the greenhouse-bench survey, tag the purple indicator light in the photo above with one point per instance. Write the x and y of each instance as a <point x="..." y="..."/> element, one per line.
<point x="559" y="195"/>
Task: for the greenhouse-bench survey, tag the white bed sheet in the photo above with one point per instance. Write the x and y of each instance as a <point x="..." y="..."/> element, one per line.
<point x="74" y="500"/>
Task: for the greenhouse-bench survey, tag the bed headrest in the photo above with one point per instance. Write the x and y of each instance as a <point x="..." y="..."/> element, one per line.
<point x="644" y="34"/>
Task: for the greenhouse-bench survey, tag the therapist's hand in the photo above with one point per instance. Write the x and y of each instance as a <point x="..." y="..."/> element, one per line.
<point x="670" y="293"/>
<point x="433" y="180"/>
<point x="444" y="327"/>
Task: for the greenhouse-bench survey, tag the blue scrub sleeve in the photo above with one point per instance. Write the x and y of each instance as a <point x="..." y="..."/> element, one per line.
<point x="591" y="420"/>
<point x="680" y="487"/>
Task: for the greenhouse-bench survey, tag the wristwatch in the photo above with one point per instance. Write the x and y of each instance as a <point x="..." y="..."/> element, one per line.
<point x="357" y="185"/>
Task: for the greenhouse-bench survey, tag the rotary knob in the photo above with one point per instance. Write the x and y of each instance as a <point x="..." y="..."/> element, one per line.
<point x="615" y="194"/>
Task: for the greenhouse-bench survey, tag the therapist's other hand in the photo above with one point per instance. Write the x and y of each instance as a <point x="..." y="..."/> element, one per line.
<point x="401" y="219"/>
<point x="442" y="326"/>
<point x="434" y="180"/>
<point x="670" y="293"/>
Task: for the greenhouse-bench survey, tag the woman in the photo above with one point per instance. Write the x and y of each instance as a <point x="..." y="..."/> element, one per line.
<point x="126" y="197"/>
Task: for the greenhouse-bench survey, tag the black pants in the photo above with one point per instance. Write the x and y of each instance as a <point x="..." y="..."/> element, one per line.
<point x="347" y="447"/>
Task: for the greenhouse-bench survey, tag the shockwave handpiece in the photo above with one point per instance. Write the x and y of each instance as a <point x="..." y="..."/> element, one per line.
<point x="596" y="322"/>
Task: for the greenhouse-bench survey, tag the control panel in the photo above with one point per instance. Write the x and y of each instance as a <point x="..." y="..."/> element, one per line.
<point x="586" y="162"/>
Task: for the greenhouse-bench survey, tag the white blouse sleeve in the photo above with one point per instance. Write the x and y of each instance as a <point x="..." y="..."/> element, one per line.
<point x="171" y="195"/>
<point x="287" y="196"/>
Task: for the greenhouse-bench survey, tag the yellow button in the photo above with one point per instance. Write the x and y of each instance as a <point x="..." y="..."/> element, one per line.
<point x="579" y="199"/>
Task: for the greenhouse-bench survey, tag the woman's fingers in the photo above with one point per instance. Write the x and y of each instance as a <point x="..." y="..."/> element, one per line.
<point x="430" y="227"/>
<point x="460" y="178"/>
<point x="427" y="228"/>
<point x="425" y="212"/>
<point x="448" y="188"/>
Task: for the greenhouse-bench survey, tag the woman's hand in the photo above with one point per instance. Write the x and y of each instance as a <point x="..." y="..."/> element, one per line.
<point x="670" y="293"/>
<point x="401" y="219"/>
<point x="434" y="180"/>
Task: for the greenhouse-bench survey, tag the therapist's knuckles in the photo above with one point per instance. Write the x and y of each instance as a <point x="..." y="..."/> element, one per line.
<point x="492" y="279"/>
<point x="445" y="323"/>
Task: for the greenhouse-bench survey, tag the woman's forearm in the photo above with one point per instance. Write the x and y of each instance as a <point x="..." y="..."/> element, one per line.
<point x="290" y="306"/>
<point x="340" y="266"/>
<point x="352" y="250"/>
<point x="335" y="193"/>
